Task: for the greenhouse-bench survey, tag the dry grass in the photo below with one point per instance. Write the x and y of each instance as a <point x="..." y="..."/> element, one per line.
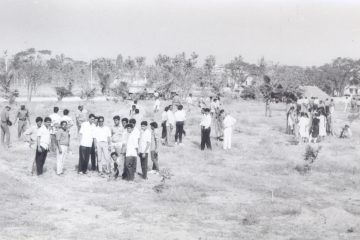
<point x="250" y="192"/>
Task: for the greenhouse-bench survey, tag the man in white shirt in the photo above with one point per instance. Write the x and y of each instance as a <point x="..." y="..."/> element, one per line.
<point x="347" y="102"/>
<point x="163" y="125"/>
<point x="67" y="118"/>
<point x="132" y="146"/>
<point x="80" y="116"/>
<point x="87" y="132"/>
<point x="144" y="147"/>
<point x="228" y="123"/>
<point x="31" y="133"/>
<point x="55" y="124"/>
<point x="103" y="146"/>
<point x="43" y="142"/>
<point x="117" y="132"/>
<point x="170" y="124"/>
<point x="205" y="129"/>
<point x="180" y="117"/>
<point x="157" y="105"/>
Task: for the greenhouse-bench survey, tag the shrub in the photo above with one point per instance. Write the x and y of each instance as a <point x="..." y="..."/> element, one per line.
<point x="249" y="92"/>
<point x="88" y="93"/>
<point x="62" y="92"/>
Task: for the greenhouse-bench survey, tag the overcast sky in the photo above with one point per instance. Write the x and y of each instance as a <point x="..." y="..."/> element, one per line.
<point x="289" y="32"/>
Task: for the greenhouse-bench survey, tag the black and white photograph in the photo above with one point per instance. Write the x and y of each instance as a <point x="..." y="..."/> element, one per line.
<point x="180" y="119"/>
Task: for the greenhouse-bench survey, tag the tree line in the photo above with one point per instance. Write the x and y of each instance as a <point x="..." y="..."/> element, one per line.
<point x="31" y="68"/>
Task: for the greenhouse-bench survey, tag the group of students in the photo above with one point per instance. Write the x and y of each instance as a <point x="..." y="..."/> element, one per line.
<point x="106" y="148"/>
<point x="311" y="120"/>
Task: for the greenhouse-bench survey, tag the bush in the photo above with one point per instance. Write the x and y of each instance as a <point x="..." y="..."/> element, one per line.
<point x="249" y="92"/>
<point x="88" y="93"/>
<point x="121" y="90"/>
<point x="62" y="92"/>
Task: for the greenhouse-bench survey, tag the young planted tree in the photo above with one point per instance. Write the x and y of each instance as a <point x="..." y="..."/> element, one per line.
<point x="31" y="67"/>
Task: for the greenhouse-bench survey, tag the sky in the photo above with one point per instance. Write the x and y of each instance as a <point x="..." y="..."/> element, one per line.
<point x="290" y="32"/>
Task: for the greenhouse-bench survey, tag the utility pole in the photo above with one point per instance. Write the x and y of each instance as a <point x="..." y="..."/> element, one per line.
<point x="91" y="74"/>
<point x="5" y="56"/>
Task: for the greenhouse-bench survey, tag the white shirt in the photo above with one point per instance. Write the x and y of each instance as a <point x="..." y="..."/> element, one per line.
<point x="170" y="118"/>
<point x="157" y="103"/>
<point x="132" y="144"/>
<point x="145" y="137"/>
<point x="180" y="116"/>
<point x="44" y="135"/>
<point x="102" y="133"/>
<point x="189" y="100"/>
<point x="55" y="119"/>
<point x="32" y="132"/>
<point x="206" y="121"/>
<point x="87" y="134"/>
<point x="136" y="132"/>
<point x="229" y="121"/>
<point x="67" y="119"/>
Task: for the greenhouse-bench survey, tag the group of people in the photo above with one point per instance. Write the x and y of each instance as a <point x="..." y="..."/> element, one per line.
<point x="311" y="120"/>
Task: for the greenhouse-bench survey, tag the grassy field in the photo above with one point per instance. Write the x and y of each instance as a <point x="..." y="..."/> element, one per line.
<point x="250" y="192"/>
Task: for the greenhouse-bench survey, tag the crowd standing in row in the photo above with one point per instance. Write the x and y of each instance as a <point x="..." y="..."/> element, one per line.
<point x="106" y="149"/>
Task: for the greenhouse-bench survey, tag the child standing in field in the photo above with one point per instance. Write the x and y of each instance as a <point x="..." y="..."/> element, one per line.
<point x="228" y="123"/>
<point x="322" y="124"/>
<point x="180" y="117"/>
<point x="157" y="105"/>
<point x="163" y="125"/>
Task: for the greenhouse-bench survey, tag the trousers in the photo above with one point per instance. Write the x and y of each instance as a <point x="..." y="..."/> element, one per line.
<point x="205" y="138"/>
<point x="5" y="134"/>
<point x="93" y="157"/>
<point x="179" y="131"/>
<point x="84" y="155"/>
<point x="40" y="159"/>
<point x="227" y="138"/>
<point x="60" y="159"/>
<point x="104" y="163"/>
<point x="144" y="164"/>
<point x="155" y="159"/>
<point x="22" y="124"/>
<point x="129" y="168"/>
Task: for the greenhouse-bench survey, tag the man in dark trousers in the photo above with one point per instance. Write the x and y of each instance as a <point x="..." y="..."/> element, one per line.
<point x="5" y="122"/>
<point x="205" y="129"/>
<point x="43" y="142"/>
<point x="87" y="130"/>
<point x="24" y="118"/>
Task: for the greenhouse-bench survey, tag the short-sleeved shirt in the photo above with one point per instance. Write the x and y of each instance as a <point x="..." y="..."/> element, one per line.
<point x="88" y="132"/>
<point x="32" y="132"/>
<point x="68" y="120"/>
<point x="81" y="116"/>
<point x="23" y="114"/>
<point x="63" y="137"/>
<point x="4" y="115"/>
<point x="145" y="137"/>
<point x="117" y="134"/>
<point x="132" y="144"/>
<point x="154" y="141"/>
<point x="102" y="134"/>
<point x="44" y="134"/>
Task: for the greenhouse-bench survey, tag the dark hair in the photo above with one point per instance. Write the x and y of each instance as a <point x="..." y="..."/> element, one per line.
<point x="132" y="121"/>
<point x="133" y="106"/>
<point x="114" y="153"/>
<point x="63" y="122"/>
<point x="66" y="112"/>
<point x="47" y="119"/>
<point x="129" y="125"/>
<point x="222" y="110"/>
<point x="56" y="109"/>
<point x="125" y="120"/>
<point x="91" y="115"/>
<point x="166" y="108"/>
<point x="39" y="119"/>
<point x="100" y="117"/>
<point x="117" y="117"/>
<point x="180" y="107"/>
<point x="135" y="101"/>
<point x="80" y="106"/>
<point x="154" y="124"/>
<point x="137" y="110"/>
<point x="144" y="123"/>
